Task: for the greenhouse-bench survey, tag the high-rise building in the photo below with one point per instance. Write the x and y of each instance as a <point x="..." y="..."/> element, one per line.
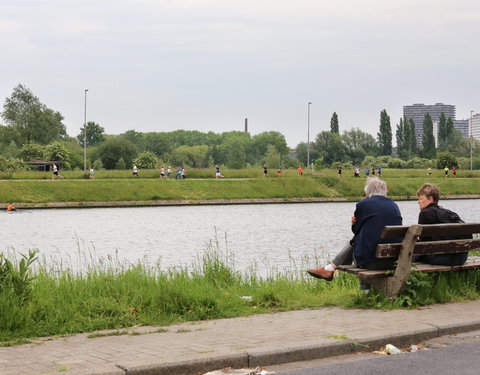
<point x="475" y="126"/>
<point x="463" y="126"/>
<point x="417" y="113"/>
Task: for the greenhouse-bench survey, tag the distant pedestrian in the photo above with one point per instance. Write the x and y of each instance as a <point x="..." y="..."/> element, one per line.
<point x="367" y="171"/>
<point x="169" y="172"/>
<point x="265" y="171"/>
<point x="340" y="171"/>
<point x="55" y="171"/>
<point x="454" y="171"/>
<point x="217" y="172"/>
<point x="429" y="172"/>
<point x="379" y="170"/>
<point x="446" y="170"/>
<point x="91" y="173"/>
<point x="184" y="175"/>
<point x="178" y="176"/>
<point x="373" y="170"/>
<point x="135" y="171"/>
<point x="356" y="172"/>
<point x="162" y="172"/>
<point x="300" y="170"/>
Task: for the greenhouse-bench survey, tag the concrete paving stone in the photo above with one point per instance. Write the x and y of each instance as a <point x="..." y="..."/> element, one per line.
<point x="272" y="337"/>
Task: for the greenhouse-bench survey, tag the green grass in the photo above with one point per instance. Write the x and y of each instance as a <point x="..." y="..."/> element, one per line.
<point x="326" y="185"/>
<point x="114" y="295"/>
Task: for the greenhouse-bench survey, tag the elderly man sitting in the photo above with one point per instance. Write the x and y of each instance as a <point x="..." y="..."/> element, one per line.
<point x="371" y="215"/>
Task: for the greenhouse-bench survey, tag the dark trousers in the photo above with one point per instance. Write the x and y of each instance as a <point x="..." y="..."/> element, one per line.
<point x="443" y="259"/>
<point x="345" y="257"/>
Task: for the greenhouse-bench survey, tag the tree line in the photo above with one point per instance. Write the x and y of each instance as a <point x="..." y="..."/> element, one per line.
<point x="356" y="147"/>
<point x="32" y="131"/>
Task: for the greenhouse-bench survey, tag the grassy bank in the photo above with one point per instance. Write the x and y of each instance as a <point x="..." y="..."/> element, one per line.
<point x="329" y="186"/>
<point x="37" y="299"/>
<point x="209" y="173"/>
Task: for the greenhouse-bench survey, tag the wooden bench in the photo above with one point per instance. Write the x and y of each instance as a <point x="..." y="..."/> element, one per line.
<point x="392" y="282"/>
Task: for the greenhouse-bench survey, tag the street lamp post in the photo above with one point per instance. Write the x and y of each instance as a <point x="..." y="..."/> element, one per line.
<point x="85" y="135"/>
<point x="471" y="140"/>
<point x="308" y="134"/>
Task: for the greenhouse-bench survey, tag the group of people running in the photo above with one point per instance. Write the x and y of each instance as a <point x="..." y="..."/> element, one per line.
<point x="366" y="170"/>
<point x="371" y="215"/>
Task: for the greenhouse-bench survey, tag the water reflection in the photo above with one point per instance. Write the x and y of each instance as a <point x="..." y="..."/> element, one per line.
<point x="274" y="236"/>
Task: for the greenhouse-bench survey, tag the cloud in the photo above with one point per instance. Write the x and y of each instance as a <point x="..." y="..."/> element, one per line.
<point x="207" y="64"/>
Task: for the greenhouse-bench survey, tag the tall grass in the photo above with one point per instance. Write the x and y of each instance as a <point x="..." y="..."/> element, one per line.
<point x="54" y="298"/>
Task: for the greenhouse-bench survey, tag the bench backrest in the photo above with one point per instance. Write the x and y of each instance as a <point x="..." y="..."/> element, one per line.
<point x="431" y="247"/>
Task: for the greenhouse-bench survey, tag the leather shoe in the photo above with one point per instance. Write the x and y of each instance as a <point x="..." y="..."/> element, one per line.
<point x="321" y="273"/>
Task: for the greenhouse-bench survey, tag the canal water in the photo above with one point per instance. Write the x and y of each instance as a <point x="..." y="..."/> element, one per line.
<point x="262" y="237"/>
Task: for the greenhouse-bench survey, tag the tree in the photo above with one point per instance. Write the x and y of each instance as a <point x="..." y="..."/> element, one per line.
<point x="120" y="165"/>
<point x="302" y="153"/>
<point x="193" y="156"/>
<point x="146" y="160"/>
<point x="94" y="134"/>
<point x="330" y="147"/>
<point x="428" y="140"/>
<point x="406" y="140"/>
<point x="273" y="158"/>
<point x="158" y="143"/>
<point x="58" y="151"/>
<point x="32" y="151"/>
<point x="410" y="137"/>
<point x="137" y="138"/>
<point x="442" y="132"/>
<point x="235" y="147"/>
<point x="32" y="119"/>
<point x="358" y="144"/>
<point x="12" y="165"/>
<point x="334" y="123"/>
<point x="262" y="141"/>
<point x="114" y="149"/>
<point x="446" y="159"/>
<point x="385" y="134"/>
<point x="450" y="139"/>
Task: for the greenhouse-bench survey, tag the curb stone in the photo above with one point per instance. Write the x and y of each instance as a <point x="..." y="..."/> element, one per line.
<point x="293" y="354"/>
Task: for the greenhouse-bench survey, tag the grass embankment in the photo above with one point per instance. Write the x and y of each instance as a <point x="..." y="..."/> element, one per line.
<point x="110" y="295"/>
<point x="286" y="187"/>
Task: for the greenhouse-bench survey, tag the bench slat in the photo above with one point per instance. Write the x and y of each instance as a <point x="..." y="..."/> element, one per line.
<point x="429" y="247"/>
<point x="472" y="262"/>
<point x="428" y="230"/>
<point x="366" y="274"/>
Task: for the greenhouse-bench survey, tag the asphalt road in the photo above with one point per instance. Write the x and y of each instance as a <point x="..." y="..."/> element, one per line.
<point x="461" y="358"/>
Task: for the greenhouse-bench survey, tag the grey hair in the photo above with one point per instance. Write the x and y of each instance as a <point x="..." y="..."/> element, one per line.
<point x="375" y="186"/>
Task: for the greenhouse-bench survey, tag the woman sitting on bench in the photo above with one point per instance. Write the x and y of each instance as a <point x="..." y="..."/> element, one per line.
<point x="428" y="196"/>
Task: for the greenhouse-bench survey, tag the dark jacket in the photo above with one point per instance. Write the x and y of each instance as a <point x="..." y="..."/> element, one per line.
<point x="372" y="215"/>
<point x="429" y="215"/>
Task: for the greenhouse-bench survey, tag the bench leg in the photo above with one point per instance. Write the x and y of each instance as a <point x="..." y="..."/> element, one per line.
<point x="392" y="286"/>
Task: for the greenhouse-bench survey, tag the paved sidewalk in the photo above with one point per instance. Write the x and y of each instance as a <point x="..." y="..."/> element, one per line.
<point x="259" y="340"/>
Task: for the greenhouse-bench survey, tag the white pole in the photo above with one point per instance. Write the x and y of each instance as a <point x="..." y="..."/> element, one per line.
<point x="85" y="135"/>
<point x="308" y="133"/>
<point x="471" y="140"/>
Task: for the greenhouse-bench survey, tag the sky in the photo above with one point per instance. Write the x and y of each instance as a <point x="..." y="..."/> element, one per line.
<point x="162" y="65"/>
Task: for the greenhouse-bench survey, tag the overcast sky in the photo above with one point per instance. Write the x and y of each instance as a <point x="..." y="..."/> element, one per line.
<point x="162" y="65"/>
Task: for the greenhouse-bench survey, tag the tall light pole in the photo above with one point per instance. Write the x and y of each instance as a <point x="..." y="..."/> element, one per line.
<point x="85" y="135"/>
<point x="471" y="140"/>
<point x="308" y="134"/>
